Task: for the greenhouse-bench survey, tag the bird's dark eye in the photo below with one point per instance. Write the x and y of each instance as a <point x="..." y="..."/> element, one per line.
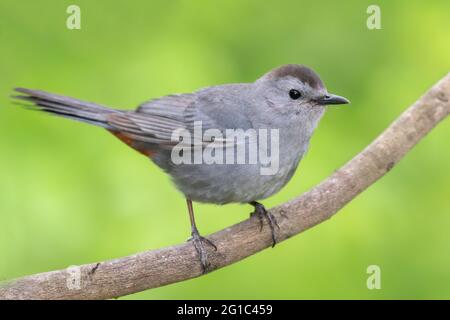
<point x="294" y="94"/>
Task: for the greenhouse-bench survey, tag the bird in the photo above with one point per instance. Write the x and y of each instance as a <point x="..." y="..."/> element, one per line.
<point x="288" y="101"/>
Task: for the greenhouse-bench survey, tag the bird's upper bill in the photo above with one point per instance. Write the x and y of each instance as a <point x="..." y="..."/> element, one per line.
<point x="332" y="99"/>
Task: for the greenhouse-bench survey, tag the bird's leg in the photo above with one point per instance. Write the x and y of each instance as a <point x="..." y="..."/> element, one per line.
<point x="198" y="241"/>
<point x="262" y="213"/>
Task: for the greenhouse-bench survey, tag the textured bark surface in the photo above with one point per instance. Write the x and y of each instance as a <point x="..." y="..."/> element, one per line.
<point x="157" y="268"/>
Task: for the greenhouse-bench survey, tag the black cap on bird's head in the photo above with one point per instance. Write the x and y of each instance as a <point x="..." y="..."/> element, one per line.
<point x="302" y="73"/>
<point x="307" y="76"/>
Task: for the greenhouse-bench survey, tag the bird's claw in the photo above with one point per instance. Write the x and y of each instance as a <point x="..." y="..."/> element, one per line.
<point x="262" y="213"/>
<point x="198" y="241"/>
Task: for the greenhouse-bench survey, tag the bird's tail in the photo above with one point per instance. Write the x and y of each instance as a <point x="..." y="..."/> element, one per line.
<point x="66" y="107"/>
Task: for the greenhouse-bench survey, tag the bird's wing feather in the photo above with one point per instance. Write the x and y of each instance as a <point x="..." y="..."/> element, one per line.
<point x="170" y="107"/>
<point x="156" y="120"/>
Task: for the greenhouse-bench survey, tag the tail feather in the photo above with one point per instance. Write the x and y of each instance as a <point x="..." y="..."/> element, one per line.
<point x="66" y="107"/>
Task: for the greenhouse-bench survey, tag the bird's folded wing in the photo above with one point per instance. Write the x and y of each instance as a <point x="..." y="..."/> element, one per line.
<point x="157" y="120"/>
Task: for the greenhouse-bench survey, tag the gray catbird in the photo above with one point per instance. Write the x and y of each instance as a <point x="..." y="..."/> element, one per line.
<point x="290" y="99"/>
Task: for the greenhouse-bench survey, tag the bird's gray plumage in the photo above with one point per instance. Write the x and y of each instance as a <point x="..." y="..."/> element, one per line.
<point x="263" y="104"/>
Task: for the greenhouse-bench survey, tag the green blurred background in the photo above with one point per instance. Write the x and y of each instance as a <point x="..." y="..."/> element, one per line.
<point x="72" y="194"/>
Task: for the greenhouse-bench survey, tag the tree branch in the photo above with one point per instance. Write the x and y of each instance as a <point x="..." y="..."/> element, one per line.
<point x="157" y="268"/>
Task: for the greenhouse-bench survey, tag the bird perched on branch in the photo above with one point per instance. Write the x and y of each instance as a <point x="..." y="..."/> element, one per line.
<point x="233" y="143"/>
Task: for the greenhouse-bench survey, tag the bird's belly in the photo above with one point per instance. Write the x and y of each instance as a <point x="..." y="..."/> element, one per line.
<point x="234" y="183"/>
<point x="221" y="184"/>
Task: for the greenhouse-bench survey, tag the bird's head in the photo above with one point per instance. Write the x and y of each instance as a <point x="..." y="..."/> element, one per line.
<point x="296" y="89"/>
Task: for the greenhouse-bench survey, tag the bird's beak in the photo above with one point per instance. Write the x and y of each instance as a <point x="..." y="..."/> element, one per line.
<point x="332" y="99"/>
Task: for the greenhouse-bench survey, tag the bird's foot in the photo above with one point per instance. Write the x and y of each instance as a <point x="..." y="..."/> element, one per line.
<point x="262" y="213"/>
<point x="199" y="243"/>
